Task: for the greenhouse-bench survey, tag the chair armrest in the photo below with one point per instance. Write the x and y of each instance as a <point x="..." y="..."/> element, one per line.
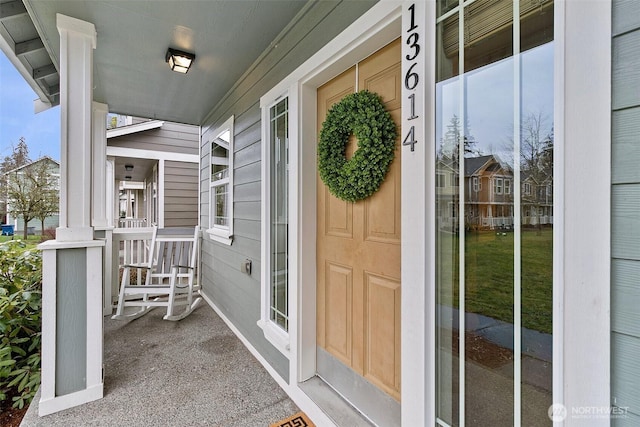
<point x="136" y="266"/>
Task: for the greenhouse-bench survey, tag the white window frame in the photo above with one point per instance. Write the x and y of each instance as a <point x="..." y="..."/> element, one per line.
<point x="507" y="186"/>
<point x="441" y="180"/>
<point x="476" y="184"/>
<point x="218" y="233"/>
<point x="273" y="332"/>
<point x="497" y="185"/>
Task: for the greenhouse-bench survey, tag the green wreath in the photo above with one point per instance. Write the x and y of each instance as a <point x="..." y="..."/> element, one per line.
<point x="363" y="114"/>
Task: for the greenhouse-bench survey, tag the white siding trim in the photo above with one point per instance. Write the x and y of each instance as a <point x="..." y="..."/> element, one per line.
<point x="128" y="130"/>
<point x="585" y="139"/>
<point x="154" y="155"/>
<point x="94" y="321"/>
<point x="161" y="193"/>
<point x="558" y="199"/>
<point x="373" y="30"/>
<point x="48" y="361"/>
<point x="418" y="225"/>
<point x="49" y="402"/>
<point x="309" y="407"/>
<point x="199" y="179"/>
<point x="98" y="188"/>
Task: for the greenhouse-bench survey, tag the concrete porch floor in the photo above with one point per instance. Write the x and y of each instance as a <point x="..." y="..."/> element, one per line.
<point x="194" y="372"/>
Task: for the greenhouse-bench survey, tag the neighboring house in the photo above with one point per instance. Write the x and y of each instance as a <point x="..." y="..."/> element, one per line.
<point x="403" y="315"/>
<point x="537" y="206"/>
<point x="34" y="225"/>
<point x="447" y="190"/>
<point x="489" y="193"/>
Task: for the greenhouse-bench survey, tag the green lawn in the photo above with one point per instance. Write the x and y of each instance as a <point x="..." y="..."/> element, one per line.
<point x="32" y="241"/>
<point x="489" y="275"/>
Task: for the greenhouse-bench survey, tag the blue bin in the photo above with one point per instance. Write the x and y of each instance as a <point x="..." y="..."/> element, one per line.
<point x="7" y="230"/>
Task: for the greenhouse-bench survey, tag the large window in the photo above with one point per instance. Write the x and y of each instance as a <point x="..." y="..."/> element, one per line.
<point x="279" y="215"/>
<point x="275" y="191"/>
<point x="494" y="266"/>
<point x="221" y="183"/>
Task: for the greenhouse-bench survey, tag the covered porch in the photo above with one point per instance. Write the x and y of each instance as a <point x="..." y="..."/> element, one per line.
<point x="192" y="372"/>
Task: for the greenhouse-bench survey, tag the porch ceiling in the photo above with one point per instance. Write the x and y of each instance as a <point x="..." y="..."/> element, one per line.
<point x="142" y="168"/>
<point x="130" y="73"/>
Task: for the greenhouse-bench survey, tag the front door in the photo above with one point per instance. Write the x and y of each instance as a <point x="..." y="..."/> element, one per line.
<point x="358" y="252"/>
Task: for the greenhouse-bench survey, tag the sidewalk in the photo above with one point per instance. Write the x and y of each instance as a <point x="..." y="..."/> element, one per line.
<point x="194" y="372"/>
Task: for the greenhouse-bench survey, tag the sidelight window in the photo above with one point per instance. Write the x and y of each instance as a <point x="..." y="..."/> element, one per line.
<point x="494" y="73"/>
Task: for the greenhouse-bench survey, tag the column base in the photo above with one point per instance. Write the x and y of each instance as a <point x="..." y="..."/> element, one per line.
<point x="59" y="403"/>
<point x="74" y="234"/>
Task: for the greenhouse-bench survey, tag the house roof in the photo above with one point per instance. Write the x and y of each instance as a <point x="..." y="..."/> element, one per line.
<point x="41" y="159"/>
<point x="130" y="129"/>
<point x="130" y="74"/>
<point x="473" y="164"/>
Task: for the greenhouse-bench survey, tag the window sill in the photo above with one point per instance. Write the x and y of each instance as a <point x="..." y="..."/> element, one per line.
<point x="276" y="336"/>
<point x="220" y="236"/>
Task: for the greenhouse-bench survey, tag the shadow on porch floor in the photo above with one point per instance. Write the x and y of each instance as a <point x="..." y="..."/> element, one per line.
<point x="189" y="373"/>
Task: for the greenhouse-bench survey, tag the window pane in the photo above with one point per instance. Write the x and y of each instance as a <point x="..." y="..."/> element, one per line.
<point x="536" y="23"/>
<point x="221" y="194"/>
<point x="489" y="245"/>
<point x="447" y="251"/>
<point x="445" y="6"/>
<point x="447" y="48"/>
<point x="219" y="161"/>
<point x="494" y="241"/>
<point x="488" y="32"/>
<point x="279" y="218"/>
<point x="536" y="164"/>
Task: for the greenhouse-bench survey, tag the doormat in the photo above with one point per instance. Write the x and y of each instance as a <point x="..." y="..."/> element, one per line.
<point x="297" y="420"/>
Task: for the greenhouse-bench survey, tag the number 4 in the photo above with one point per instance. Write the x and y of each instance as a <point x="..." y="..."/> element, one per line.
<point x="410" y="139"/>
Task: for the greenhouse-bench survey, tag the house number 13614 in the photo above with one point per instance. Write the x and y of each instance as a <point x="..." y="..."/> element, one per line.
<point x="412" y="78"/>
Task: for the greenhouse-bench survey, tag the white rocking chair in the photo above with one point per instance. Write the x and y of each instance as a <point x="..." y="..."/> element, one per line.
<point x="170" y="276"/>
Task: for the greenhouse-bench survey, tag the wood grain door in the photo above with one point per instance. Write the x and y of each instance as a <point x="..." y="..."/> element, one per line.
<point x="358" y="245"/>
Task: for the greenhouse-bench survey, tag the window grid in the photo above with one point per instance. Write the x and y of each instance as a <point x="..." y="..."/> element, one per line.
<point x="221" y="181"/>
<point x="279" y="216"/>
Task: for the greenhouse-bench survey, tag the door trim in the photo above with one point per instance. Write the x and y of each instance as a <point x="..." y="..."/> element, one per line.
<point x="376" y="28"/>
<point x="358" y="48"/>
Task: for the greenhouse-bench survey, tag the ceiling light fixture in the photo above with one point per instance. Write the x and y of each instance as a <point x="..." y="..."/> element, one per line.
<point x="128" y="168"/>
<point x="128" y="177"/>
<point x="179" y="61"/>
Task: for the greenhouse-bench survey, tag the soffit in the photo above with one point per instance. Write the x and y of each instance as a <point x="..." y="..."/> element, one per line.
<point x="130" y="73"/>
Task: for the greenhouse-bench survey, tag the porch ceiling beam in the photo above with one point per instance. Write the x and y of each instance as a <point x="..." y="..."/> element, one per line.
<point x="28" y="46"/>
<point x="44" y="71"/>
<point x="13" y="8"/>
<point x="53" y="90"/>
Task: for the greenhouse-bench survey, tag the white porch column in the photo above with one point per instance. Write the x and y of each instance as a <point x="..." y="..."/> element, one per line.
<point x="110" y="192"/>
<point x="99" y="205"/>
<point x="72" y="264"/>
<point x="77" y="41"/>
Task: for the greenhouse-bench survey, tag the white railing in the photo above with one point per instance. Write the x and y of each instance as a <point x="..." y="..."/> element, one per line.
<point x="535" y="220"/>
<point x="132" y="222"/>
<point x="130" y="247"/>
<point x="498" y="222"/>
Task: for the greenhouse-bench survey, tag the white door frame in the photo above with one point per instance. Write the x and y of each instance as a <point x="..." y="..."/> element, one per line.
<point x="368" y="42"/>
<point x="376" y="28"/>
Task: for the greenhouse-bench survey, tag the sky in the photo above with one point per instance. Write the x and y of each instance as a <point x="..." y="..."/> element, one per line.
<point x="489" y="100"/>
<point x="17" y="118"/>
